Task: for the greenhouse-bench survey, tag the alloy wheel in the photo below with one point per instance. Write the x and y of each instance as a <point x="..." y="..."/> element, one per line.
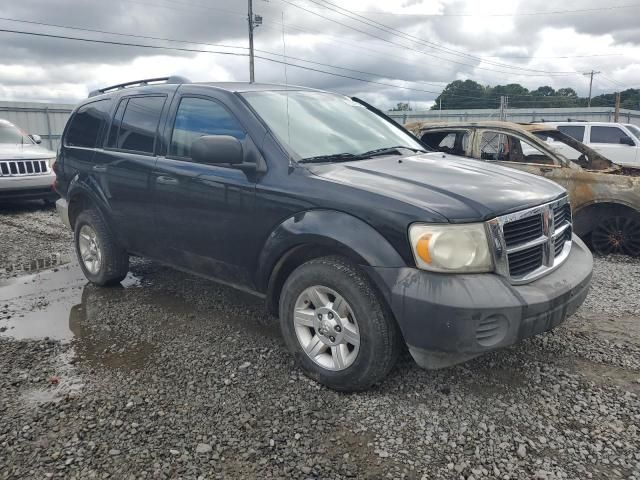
<point x="326" y="328"/>
<point x="90" y="252"/>
<point x="617" y="235"/>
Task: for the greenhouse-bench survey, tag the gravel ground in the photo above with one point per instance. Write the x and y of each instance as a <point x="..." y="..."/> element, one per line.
<point x="172" y="376"/>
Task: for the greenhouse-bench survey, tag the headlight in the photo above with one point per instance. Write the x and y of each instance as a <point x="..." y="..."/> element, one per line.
<point x="50" y="161"/>
<point x="451" y="248"/>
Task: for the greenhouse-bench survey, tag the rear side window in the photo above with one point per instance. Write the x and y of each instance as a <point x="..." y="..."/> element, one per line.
<point x="607" y="135"/>
<point x="574" y="131"/>
<point x="197" y="117"/>
<point x="87" y="124"/>
<point x="137" y="130"/>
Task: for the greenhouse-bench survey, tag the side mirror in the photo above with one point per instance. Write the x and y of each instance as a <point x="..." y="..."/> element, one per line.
<point x="627" y="141"/>
<point x="217" y="149"/>
<point x="36" y="138"/>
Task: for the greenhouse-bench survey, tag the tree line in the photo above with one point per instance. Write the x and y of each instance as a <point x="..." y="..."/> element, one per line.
<point x="468" y="94"/>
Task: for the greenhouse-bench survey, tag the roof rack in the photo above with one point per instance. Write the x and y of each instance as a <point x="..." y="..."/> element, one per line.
<point x="138" y="83"/>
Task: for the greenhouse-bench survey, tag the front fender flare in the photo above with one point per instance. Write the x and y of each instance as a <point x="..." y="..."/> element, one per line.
<point x="328" y="228"/>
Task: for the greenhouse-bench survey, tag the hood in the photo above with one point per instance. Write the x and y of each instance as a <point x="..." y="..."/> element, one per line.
<point x="28" y="151"/>
<point x="460" y="189"/>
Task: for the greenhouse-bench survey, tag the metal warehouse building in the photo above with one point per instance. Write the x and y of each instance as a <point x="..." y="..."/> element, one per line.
<point x="45" y="119"/>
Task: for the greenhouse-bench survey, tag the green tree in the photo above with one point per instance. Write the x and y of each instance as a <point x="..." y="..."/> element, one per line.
<point x="462" y="94"/>
<point x="401" y="107"/>
<point x="468" y="94"/>
<point x="545" y="91"/>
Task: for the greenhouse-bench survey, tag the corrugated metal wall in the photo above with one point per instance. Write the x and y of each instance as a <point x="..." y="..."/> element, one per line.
<point x="45" y="119"/>
<point x="593" y="114"/>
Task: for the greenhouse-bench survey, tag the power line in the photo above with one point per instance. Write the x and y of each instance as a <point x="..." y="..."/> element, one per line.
<point x="406" y="47"/>
<point x="556" y="12"/>
<point x="375" y="74"/>
<point x="147" y="37"/>
<point x="138" y="45"/>
<point x="398" y="33"/>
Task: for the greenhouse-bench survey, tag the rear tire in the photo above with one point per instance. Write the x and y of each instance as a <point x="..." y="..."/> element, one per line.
<point x="329" y="309"/>
<point x="102" y="260"/>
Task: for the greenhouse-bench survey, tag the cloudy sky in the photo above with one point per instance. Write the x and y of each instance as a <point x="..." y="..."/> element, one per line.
<point x="410" y="49"/>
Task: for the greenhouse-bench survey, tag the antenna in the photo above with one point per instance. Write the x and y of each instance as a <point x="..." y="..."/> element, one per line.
<point x="286" y="83"/>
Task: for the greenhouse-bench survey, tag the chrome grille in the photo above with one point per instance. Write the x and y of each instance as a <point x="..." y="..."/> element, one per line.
<point x="522" y="230"/>
<point x="18" y="168"/>
<point x="532" y="242"/>
<point x="525" y="261"/>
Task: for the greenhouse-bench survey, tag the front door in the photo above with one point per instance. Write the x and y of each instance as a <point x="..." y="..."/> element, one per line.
<point x="203" y="211"/>
<point x="515" y="152"/>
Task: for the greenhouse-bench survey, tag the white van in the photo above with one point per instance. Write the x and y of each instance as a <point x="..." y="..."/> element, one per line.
<point x="619" y="142"/>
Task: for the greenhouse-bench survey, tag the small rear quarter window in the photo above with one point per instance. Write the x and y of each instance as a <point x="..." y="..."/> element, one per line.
<point x="87" y="124"/>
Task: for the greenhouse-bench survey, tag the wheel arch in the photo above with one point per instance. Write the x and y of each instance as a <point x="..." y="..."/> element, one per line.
<point x="319" y="233"/>
<point x="590" y="214"/>
<point x="83" y="194"/>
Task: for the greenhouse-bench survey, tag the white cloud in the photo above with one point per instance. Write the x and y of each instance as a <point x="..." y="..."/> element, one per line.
<point x="446" y="47"/>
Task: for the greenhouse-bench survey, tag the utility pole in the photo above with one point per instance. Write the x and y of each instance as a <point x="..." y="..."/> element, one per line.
<point x="504" y="102"/>
<point x="250" y="19"/>
<point x="590" y="74"/>
<point x="616" y="115"/>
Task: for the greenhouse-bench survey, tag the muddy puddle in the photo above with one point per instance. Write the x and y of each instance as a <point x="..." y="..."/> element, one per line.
<point x="40" y="305"/>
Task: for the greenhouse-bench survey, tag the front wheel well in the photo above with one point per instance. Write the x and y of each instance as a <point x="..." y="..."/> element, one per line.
<point x="586" y="219"/>
<point x="292" y="260"/>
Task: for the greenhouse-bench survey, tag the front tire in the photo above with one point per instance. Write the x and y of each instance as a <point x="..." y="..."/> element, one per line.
<point x="337" y="328"/>
<point x="617" y="235"/>
<point x="102" y="260"/>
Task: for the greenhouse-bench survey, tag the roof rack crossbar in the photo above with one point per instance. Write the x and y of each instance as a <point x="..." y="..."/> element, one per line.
<point x="139" y="83"/>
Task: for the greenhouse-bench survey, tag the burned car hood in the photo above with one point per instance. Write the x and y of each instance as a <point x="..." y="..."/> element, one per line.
<point x="16" y="151"/>
<point x="456" y="188"/>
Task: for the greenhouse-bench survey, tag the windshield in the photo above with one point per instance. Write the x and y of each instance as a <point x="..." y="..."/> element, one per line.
<point x="324" y="124"/>
<point x="9" y="133"/>
<point x="635" y="130"/>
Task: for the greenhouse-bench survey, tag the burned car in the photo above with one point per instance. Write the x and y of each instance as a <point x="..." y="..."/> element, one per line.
<point x="605" y="197"/>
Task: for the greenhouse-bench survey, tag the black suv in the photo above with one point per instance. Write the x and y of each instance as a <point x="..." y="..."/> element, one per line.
<point x="359" y="239"/>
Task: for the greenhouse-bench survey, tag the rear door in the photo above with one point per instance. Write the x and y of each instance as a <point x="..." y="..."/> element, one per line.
<point x="615" y="144"/>
<point x="126" y="163"/>
<point x="204" y="211"/>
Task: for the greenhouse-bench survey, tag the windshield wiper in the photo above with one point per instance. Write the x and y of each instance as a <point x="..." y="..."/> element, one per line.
<point x="347" y="157"/>
<point x="389" y="151"/>
<point x="335" y="157"/>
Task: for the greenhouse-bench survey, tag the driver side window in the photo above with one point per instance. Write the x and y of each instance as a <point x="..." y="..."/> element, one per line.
<point x="454" y="142"/>
<point x="197" y="117"/>
<point x="508" y="148"/>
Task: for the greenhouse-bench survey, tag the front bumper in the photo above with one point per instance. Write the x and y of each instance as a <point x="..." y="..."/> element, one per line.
<point x="447" y="319"/>
<point x="27" y="187"/>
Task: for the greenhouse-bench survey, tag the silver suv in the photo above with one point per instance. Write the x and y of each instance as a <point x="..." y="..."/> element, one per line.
<point x="25" y="167"/>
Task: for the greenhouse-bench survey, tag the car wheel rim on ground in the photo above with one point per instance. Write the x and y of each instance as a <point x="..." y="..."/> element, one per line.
<point x="89" y="247"/>
<point x="326" y="328"/>
<point x="617" y="235"/>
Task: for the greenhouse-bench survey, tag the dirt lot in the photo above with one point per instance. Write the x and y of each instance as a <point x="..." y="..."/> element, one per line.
<point x="172" y="376"/>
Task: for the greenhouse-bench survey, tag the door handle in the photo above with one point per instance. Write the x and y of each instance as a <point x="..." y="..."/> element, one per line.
<point x="165" y="180"/>
<point x="99" y="168"/>
<point x="546" y="169"/>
